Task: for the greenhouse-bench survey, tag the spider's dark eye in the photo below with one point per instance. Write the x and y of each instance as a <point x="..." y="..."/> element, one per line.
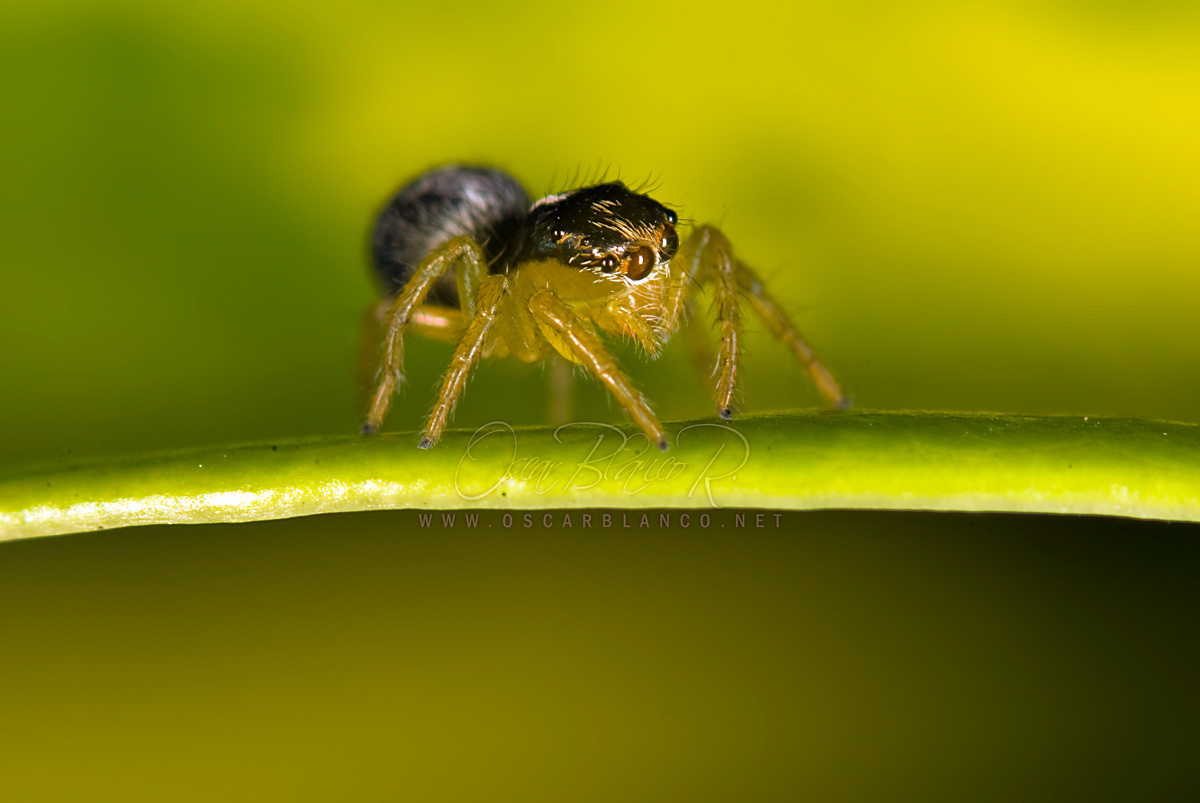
<point x="669" y="244"/>
<point x="585" y="242"/>
<point x="609" y="263"/>
<point x="671" y="216"/>
<point x="639" y="263"/>
<point x="558" y="234"/>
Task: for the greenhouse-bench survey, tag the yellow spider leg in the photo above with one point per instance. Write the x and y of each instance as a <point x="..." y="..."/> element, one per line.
<point x="405" y="308"/>
<point x="706" y="255"/>
<point x="700" y="353"/>
<point x="437" y="322"/>
<point x="575" y="340"/>
<point x="714" y="256"/>
<point x="781" y="325"/>
<point x="430" y="320"/>
<point x="560" y="390"/>
<point x="470" y="348"/>
<point x="686" y="274"/>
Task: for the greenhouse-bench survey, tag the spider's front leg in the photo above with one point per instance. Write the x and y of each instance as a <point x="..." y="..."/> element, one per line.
<point x="574" y="339"/>
<point x="707" y="255"/>
<point x="405" y="312"/>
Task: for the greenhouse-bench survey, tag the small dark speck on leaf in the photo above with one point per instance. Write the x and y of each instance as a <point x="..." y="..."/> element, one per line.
<point x="273" y="448"/>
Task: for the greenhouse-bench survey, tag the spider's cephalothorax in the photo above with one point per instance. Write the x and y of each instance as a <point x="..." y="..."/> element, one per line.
<point x="463" y="255"/>
<point x="606" y="229"/>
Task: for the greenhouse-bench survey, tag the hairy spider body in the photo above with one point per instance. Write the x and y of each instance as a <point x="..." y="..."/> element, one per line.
<point x="486" y="205"/>
<point x="463" y="255"/>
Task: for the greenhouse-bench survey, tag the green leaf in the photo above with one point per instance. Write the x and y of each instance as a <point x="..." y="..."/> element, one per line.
<point x="864" y="460"/>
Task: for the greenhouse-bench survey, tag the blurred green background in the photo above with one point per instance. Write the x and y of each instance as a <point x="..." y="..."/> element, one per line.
<point x="986" y="206"/>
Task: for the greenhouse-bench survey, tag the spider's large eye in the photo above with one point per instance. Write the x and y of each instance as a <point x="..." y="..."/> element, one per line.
<point x="608" y="264"/>
<point x="639" y="263"/>
<point x="669" y="244"/>
<point x="671" y="216"/>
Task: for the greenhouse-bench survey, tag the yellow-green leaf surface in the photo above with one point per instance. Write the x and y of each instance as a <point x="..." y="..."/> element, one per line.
<point x="868" y="460"/>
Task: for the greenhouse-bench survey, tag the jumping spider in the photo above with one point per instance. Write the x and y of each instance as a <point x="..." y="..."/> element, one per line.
<point x="464" y="256"/>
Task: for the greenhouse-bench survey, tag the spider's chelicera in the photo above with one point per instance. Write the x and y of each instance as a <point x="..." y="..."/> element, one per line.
<point x="463" y="255"/>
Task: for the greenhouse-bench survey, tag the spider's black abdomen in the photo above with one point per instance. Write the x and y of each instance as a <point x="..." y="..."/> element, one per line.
<point x="487" y="205"/>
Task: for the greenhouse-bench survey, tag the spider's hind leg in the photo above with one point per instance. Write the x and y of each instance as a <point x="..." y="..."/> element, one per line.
<point x="405" y="312"/>
<point x="430" y="320"/>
